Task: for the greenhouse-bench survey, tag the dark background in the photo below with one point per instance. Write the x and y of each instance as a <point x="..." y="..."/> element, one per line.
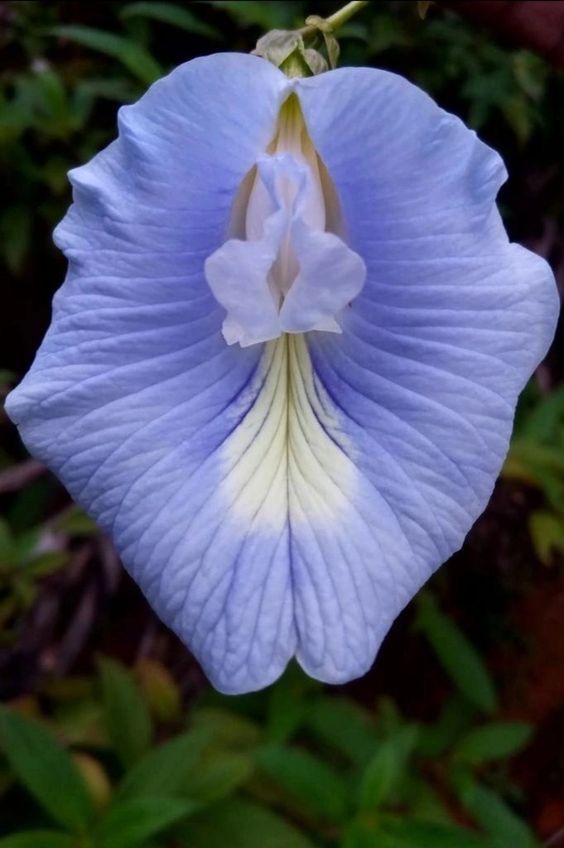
<point x="459" y="727"/>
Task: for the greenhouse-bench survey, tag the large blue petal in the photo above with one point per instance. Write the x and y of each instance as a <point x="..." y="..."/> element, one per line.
<point x="434" y="352"/>
<point x="287" y="497"/>
<point x="134" y="391"/>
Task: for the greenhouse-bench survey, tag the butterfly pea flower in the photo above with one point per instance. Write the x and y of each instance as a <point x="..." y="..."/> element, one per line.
<point x="283" y="367"/>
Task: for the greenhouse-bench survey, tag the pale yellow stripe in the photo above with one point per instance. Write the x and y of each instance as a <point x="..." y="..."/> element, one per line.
<point x="283" y="460"/>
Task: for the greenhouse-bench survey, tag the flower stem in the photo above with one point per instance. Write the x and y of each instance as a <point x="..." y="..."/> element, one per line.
<point x="338" y="18"/>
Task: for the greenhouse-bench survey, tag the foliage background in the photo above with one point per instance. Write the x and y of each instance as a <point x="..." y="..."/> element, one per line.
<point x="109" y="736"/>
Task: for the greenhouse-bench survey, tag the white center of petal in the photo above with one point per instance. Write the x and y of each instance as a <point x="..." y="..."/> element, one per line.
<point x="285" y="272"/>
<point x="286" y="456"/>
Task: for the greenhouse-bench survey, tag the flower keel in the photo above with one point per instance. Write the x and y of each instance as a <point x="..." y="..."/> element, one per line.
<point x="288" y="274"/>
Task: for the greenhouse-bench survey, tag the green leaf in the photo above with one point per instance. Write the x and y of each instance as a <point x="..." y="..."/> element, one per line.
<point x="51" y="103"/>
<point x="541" y="464"/>
<point x="227" y="728"/>
<point x="160" y="690"/>
<point x="48" y="563"/>
<point x="424" y="801"/>
<point x="218" y="775"/>
<point x="493" y="741"/>
<point x="131" y="822"/>
<point x="169" y="13"/>
<point x="531" y="72"/>
<point x="276" y="14"/>
<point x="75" y="522"/>
<point x="87" y="90"/>
<point x="25" y="546"/>
<point x="285" y="715"/>
<point x="517" y="112"/>
<point x="15" y="232"/>
<point x="46" y="769"/>
<point x="82" y="722"/>
<point x="547" y="534"/>
<point x="127" y="716"/>
<point x="456" y="717"/>
<point x="493" y="814"/>
<point x="241" y="824"/>
<point x="545" y="420"/>
<point x="457" y="655"/>
<point x="134" y="57"/>
<point x="411" y="833"/>
<point x="6" y="543"/>
<point x="318" y="789"/>
<point x="7" y="376"/>
<point x="38" y="839"/>
<point x="288" y="704"/>
<point x="344" y="727"/>
<point x="384" y="773"/>
<point x="166" y="770"/>
<point x="15" y="118"/>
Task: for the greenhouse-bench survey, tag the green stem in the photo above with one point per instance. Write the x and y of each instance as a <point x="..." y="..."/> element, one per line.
<point x="337" y="19"/>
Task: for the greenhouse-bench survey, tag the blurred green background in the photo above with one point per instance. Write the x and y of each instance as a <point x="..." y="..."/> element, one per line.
<point x="109" y="735"/>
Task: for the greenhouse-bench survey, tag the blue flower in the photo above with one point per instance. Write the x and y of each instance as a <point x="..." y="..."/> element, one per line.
<point x="283" y="367"/>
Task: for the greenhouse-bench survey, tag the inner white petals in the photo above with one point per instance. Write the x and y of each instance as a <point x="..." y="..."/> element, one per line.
<point x="286" y="273"/>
